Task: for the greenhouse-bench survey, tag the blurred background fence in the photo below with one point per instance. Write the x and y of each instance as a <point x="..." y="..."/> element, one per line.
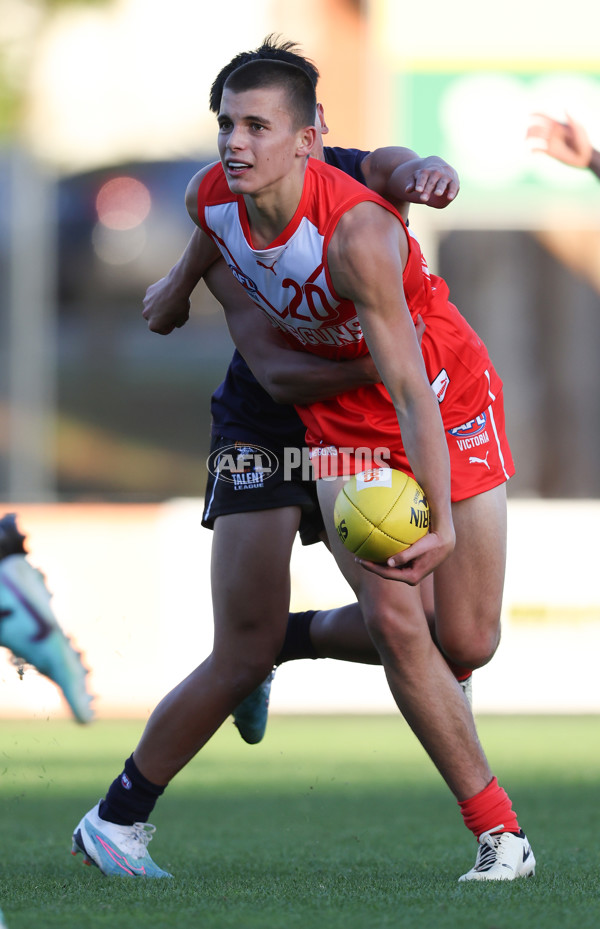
<point x="131" y="584"/>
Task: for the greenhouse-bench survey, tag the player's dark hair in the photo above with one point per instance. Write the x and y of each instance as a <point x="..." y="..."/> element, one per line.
<point x="273" y="48"/>
<point x="298" y="88"/>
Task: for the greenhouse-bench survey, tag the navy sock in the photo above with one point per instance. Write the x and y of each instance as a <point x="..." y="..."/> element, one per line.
<point x="297" y="643"/>
<point x="130" y="798"/>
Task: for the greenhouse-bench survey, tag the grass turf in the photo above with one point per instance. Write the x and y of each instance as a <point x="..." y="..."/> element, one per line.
<point x="336" y="823"/>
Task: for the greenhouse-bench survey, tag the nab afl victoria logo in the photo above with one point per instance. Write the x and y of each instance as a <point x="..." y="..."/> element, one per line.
<point x="244" y="465"/>
<point x="472" y="434"/>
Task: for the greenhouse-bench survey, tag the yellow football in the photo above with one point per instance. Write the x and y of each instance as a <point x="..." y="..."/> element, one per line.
<point x="380" y="512"/>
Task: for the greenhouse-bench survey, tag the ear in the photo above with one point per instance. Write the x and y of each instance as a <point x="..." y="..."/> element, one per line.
<point x="321" y="124"/>
<point x="306" y="141"/>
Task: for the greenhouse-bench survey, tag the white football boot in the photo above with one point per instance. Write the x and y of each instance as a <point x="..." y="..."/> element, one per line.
<point x="501" y="856"/>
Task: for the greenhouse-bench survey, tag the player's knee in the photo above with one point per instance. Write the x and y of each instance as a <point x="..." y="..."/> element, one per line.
<point x="472" y="649"/>
<point x="394" y="632"/>
<point x="250" y="629"/>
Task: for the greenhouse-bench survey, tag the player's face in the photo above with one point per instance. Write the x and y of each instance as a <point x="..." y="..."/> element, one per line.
<point x="258" y="144"/>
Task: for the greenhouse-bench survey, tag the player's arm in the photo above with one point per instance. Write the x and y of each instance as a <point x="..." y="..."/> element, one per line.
<point x="401" y="176"/>
<point x="167" y="301"/>
<point x="366" y="257"/>
<point x="289" y="376"/>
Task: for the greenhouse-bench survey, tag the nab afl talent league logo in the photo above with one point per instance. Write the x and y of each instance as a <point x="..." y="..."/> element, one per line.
<point x="244" y="465"/>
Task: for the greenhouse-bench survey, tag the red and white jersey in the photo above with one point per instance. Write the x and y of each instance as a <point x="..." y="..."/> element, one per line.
<point x="290" y="282"/>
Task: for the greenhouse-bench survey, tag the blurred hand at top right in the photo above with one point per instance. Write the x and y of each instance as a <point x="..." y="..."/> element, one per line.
<point x="567" y="142"/>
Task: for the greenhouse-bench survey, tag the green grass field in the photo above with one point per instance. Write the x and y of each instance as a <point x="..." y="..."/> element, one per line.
<point x="336" y="823"/>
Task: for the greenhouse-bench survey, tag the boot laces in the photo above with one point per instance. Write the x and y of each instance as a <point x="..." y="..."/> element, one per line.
<point x="137" y="840"/>
<point x="490" y="848"/>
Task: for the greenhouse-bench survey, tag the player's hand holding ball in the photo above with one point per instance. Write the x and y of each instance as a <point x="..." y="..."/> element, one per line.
<point x="380" y="513"/>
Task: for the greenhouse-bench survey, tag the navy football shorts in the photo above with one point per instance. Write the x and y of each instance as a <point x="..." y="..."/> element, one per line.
<point x="244" y="477"/>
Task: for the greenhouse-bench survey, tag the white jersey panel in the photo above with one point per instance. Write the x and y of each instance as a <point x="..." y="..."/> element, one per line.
<point x="288" y="282"/>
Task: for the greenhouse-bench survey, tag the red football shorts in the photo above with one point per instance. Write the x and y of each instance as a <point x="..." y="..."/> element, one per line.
<point x="480" y="456"/>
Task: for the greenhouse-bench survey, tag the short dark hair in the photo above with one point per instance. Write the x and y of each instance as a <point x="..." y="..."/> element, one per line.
<point x="273" y="48"/>
<point x="299" y="91"/>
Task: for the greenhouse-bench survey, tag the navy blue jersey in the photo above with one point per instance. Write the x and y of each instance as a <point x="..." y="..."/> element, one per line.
<point x="240" y="407"/>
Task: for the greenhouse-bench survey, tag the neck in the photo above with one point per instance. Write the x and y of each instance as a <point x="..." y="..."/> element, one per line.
<point x="271" y="210"/>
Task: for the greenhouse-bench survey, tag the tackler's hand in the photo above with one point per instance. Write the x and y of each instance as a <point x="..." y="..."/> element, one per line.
<point x="438" y="186"/>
